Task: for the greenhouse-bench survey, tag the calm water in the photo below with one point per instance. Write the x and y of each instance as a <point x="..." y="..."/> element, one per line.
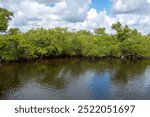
<point x="75" y="79"/>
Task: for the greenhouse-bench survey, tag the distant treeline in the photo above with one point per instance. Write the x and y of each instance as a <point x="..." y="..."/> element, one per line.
<point x="59" y="42"/>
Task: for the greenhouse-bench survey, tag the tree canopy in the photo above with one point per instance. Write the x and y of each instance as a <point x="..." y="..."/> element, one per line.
<point x="59" y="42"/>
<point x="5" y="17"/>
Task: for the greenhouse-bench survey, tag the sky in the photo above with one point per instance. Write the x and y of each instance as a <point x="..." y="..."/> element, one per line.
<point x="100" y="5"/>
<point x="78" y="14"/>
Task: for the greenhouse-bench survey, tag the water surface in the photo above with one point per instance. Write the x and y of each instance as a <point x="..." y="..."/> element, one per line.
<point x="75" y="79"/>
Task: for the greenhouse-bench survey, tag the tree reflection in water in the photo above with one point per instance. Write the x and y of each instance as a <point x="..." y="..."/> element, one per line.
<point x="69" y="79"/>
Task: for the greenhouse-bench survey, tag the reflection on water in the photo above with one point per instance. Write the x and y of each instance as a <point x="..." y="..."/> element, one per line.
<point x="75" y="79"/>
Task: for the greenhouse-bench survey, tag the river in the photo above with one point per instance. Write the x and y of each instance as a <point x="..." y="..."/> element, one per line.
<point x="75" y="79"/>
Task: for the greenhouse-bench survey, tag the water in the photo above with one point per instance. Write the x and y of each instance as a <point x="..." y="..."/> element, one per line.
<point x="75" y="79"/>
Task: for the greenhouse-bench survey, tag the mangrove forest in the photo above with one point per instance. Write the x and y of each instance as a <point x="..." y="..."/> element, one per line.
<point x="60" y="42"/>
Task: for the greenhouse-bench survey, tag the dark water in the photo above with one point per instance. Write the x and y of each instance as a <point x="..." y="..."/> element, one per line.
<point x="75" y="79"/>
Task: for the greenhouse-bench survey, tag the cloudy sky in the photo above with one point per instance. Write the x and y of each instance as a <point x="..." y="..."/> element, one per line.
<point x="79" y="14"/>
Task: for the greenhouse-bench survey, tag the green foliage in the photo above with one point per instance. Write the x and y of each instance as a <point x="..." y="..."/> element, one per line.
<point x="100" y="31"/>
<point x="57" y="42"/>
<point x="5" y="17"/>
<point x="41" y="43"/>
<point x="13" y="31"/>
<point x="122" y="32"/>
<point x="135" y="48"/>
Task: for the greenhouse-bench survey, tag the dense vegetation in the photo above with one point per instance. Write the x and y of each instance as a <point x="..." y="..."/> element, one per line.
<point x="58" y="42"/>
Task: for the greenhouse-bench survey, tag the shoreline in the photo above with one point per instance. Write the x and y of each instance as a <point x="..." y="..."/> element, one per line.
<point x="76" y="57"/>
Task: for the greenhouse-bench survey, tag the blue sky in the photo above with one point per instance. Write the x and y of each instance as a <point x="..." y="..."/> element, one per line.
<point x="99" y="5"/>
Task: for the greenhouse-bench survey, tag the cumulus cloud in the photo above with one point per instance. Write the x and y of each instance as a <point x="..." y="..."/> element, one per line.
<point x="77" y="14"/>
<point x="46" y="13"/>
<point x="135" y="13"/>
<point x="53" y="13"/>
<point x="96" y="20"/>
<point x="130" y="6"/>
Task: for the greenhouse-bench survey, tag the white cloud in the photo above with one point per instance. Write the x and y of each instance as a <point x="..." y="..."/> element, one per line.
<point x="53" y="13"/>
<point x="77" y="14"/>
<point x="95" y="20"/>
<point x="130" y="6"/>
<point x="135" y="13"/>
<point x="46" y="13"/>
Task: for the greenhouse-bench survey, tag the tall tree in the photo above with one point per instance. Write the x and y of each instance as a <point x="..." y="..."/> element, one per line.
<point x="5" y="17"/>
<point x="123" y="32"/>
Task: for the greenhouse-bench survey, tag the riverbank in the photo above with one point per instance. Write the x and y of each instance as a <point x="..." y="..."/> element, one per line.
<point x="76" y="57"/>
<point x="59" y="42"/>
<point x="125" y="43"/>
